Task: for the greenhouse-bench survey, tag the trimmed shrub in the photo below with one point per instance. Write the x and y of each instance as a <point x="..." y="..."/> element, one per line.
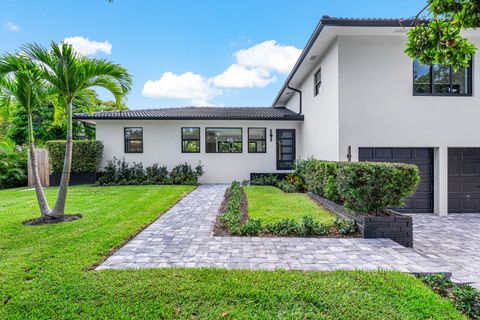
<point x="362" y="186"/>
<point x="120" y="172"/>
<point x="184" y="174"/>
<point x="320" y="178"/>
<point x="253" y="227"/>
<point x="284" y="227"/>
<point x="285" y="186"/>
<point x="371" y="187"/>
<point x="345" y="226"/>
<point x="310" y="227"/>
<point x="265" y="180"/>
<point x="86" y="157"/>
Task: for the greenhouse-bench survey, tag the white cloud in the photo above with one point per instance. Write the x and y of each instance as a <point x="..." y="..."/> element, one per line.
<point x="188" y="86"/>
<point x="237" y="76"/>
<point x="87" y="47"/>
<point x="256" y="66"/>
<point x="269" y="55"/>
<point x="11" y="27"/>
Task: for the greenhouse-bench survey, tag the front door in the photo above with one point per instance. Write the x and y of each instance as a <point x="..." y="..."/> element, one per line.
<point x="285" y="149"/>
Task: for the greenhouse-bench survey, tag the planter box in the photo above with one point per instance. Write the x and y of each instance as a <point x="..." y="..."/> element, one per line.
<point x="75" y="178"/>
<point x="396" y="226"/>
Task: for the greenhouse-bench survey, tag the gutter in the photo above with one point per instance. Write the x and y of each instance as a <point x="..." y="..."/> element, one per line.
<point x="300" y="95"/>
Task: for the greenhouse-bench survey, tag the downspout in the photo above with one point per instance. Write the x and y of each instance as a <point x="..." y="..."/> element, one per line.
<point x="300" y="95"/>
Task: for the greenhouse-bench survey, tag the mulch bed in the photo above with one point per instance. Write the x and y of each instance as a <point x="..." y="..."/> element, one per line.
<point x="220" y="229"/>
<point x="51" y="220"/>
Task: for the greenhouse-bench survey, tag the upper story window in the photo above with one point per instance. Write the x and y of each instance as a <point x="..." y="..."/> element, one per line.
<point x="223" y="140"/>
<point x="441" y="80"/>
<point x="191" y="140"/>
<point x="257" y="140"/>
<point x="317" y="81"/>
<point x="133" y="138"/>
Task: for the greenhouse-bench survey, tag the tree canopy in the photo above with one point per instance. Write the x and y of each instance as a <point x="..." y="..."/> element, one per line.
<point x="436" y="36"/>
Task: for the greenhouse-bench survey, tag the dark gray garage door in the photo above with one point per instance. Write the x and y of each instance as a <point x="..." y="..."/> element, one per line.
<point x="422" y="200"/>
<point x="464" y="180"/>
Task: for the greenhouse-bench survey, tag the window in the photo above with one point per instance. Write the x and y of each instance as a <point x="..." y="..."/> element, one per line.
<point x="441" y="80"/>
<point x="317" y="81"/>
<point x="133" y="140"/>
<point x="257" y="140"/>
<point x="191" y="140"/>
<point x="223" y="140"/>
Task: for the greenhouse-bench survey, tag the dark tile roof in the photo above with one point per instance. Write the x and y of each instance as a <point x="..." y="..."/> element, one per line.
<point x="368" y="22"/>
<point x="195" y="113"/>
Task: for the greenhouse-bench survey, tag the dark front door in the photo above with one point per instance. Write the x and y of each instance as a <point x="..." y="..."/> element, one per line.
<point x="422" y="200"/>
<point x="285" y="149"/>
<point x="464" y="180"/>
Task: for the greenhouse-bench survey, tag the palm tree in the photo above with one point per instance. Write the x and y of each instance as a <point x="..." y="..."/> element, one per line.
<point x="70" y="74"/>
<point x="21" y="84"/>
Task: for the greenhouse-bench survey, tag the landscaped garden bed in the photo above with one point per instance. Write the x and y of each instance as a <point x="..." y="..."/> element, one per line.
<point x="268" y="211"/>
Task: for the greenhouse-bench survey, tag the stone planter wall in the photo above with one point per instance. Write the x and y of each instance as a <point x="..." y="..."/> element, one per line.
<point x="397" y="227"/>
<point x="75" y="178"/>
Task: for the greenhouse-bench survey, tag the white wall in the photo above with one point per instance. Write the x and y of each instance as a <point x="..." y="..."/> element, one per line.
<point x="378" y="109"/>
<point x="319" y="135"/>
<point x="162" y="145"/>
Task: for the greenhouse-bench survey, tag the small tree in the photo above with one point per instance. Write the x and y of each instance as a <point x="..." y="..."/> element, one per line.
<point x="22" y="85"/>
<point x="70" y="74"/>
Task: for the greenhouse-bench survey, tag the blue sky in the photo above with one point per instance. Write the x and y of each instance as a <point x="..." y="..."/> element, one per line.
<point x="184" y="52"/>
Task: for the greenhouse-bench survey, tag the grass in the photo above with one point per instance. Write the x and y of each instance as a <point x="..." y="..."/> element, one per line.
<point x="271" y="204"/>
<point x="44" y="272"/>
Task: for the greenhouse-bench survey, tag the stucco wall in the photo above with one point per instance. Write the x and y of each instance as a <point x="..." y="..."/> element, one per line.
<point x="319" y="136"/>
<point x="377" y="107"/>
<point x="162" y="144"/>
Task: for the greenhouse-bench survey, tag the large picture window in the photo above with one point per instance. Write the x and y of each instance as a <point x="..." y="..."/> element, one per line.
<point x="441" y="80"/>
<point x="133" y="138"/>
<point x="257" y="140"/>
<point x="191" y="140"/>
<point x="223" y="140"/>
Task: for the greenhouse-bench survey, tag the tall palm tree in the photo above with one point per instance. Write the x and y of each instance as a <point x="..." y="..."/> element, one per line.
<point x="71" y="73"/>
<point x="21" y="84"/>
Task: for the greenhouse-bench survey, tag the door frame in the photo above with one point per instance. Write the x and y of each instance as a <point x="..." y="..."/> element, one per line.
<point x="294" y="146"/>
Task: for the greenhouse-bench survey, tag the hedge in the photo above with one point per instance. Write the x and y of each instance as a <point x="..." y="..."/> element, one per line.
<point x="87" y="155"/>
<point x="362" y="186"/>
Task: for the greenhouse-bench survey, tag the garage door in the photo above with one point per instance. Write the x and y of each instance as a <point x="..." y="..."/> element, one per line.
<point x="422" y="200"/>
<point x="464" y="180"/>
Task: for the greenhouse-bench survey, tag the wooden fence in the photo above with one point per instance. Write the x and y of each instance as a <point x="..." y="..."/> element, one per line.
<point x="43" y="168"/>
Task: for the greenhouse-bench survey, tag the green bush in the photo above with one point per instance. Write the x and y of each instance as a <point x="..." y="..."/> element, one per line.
<point x="13" y="166"/>
<point x="233" y="216"/>
<point x="185" y="175"/>
<point x="120" y="172"/>
<point x="286" y="187"/>
<point x="265" y="180"/>
<point x="345" y="226"/>
<point x="362" y="186"/>
<point x="320" y="178"/>
<point x="253" y="227"/>
<point x="284" y="227"/>
<point x="86" y="157"/>
<point x="310" y="227"/>
<point x="371" y="186"/>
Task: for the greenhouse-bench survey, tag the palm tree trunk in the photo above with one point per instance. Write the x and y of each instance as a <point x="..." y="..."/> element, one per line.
<point x="59" y="209"/>
<point x="42" y="201"/>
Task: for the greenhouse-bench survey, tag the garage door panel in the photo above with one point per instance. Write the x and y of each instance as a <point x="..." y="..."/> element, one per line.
<point x="464" y="180"/>
<point x="422" y="200"/>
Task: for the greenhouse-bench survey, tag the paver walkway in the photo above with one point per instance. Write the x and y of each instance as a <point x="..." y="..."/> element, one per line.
<point x="182" y="237"/>
<point x="452" y="241"/>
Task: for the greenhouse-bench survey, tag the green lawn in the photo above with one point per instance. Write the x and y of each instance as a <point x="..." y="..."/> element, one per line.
<point x="44" y="272"/>
<point x="271" y="204"/>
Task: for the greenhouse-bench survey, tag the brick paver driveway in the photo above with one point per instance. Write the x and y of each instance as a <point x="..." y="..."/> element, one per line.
<point x="452" y="241"/>
<point x="182" y="237"/>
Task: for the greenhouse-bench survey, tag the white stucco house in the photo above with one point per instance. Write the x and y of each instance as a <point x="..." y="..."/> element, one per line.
<point x="353" y="94"/>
